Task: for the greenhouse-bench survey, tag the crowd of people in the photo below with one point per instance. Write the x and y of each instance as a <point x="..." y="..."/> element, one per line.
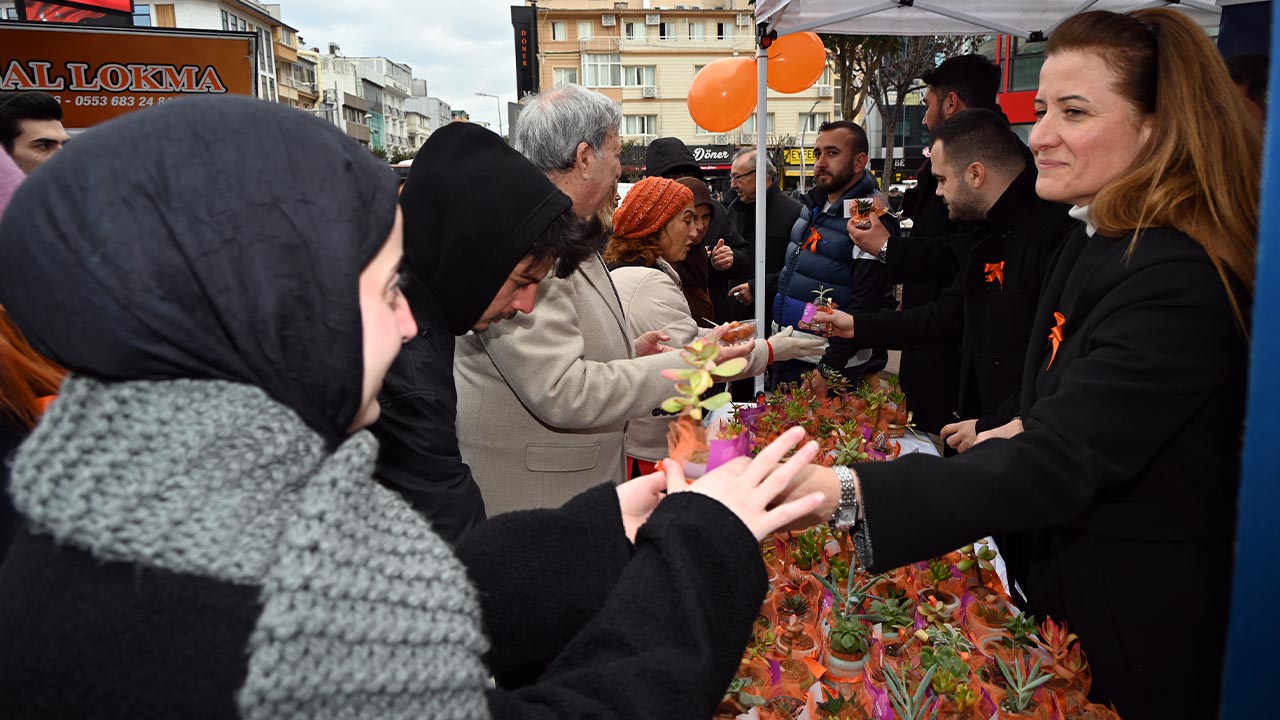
<point x="321" y="449"/>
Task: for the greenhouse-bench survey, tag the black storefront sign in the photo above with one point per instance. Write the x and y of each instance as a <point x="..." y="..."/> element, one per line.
<point x="524" y="20"/>
<point x="712" y="156"/>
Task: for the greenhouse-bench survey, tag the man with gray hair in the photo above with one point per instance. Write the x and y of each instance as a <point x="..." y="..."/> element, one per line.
<point x="571" y="133"/>
<point x="544" y="398"/>
<point x="781" y="213"/>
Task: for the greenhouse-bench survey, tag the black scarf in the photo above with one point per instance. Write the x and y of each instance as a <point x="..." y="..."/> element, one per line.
<point x="218" y="237"/>
<point x="473" y="208"/>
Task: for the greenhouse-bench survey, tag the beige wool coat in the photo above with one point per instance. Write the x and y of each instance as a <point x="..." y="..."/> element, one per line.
<point x="544" y="398"/>
<point x="652" y="300"/>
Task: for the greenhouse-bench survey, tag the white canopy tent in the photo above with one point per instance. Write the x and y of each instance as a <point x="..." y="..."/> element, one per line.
<point x="1028" y="19"/>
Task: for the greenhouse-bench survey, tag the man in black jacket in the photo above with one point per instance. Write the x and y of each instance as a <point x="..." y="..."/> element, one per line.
<point x="781" y="213"/>
<point x="981" y="175"/>
<point x="464" y="271"/>
<point x="930" y="370"/>
<point x="705" y="273"/>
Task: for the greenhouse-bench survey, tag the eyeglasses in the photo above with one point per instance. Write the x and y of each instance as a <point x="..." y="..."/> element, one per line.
<point x="738" y="176"/>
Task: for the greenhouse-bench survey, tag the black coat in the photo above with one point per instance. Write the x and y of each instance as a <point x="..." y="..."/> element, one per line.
<point x="698" y="275"/>
<point x="930" y="371"/>
<point x="1124" y="482"/>
<point x="655" y="630"/>
<point x="780" y="215"/>
<point x="991" y="313"/>
<point x="418" y="454"/>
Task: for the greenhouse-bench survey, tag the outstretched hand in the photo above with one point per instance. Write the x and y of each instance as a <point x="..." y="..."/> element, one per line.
<point x="637" y="498"/>
<point x="868" y="233"/>
<point x="837" y="322"/>
<point x="650" y="343"/>
<point x="748" y="488"/>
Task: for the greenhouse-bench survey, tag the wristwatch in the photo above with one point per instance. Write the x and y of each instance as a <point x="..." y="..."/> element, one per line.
<point x="883" y="253"/>
<point x="846" y="514"/>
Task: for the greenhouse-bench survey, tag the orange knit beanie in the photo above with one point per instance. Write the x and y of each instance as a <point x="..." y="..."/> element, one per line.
<point x="649" y="204"/>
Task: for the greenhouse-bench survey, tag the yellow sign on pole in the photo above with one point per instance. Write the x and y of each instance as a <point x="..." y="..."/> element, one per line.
<point x="792" y="156"/>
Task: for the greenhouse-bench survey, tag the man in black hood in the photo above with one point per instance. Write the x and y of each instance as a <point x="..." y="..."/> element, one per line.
<point x="465" y="268"/>
<point x="722" y="255"/>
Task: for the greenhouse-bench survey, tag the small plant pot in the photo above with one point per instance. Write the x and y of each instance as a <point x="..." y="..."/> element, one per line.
<point x="844" y="665"/>
<point x="949" y="600"/>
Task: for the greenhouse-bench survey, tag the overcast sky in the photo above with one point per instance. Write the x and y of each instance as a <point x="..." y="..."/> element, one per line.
<point x="461" y="47"/>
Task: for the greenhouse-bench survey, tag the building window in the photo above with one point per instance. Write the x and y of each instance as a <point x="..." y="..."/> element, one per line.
<point x="699" y="130"/>
<point x="1024" y="65"/>
<point x="226" y="23"/>
<point x="809" y="122"/>
<point x="564" y="76"/>
<point x="286" y="36"/>
<point x="584" y="29"/>
<point x="639" y="75"/>
<point x="559" y="30"/>
<point x="633" y="30"/>
<point x="749" y="127"/>
<point x="667" y="31"/>
<point x="142" y="16"/>
<point x="697" y="31"/>
<point x="641" y="124"/>
<point x="603" y="70"/>
<point x="724" y="31"/>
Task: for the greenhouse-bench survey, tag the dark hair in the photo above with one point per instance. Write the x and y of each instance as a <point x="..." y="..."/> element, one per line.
<point x="973" y="78"/>
<point x="18" y="106"/>
<point x="980" y="135"/>
<point x="1251" y="72"/>
<point x="860" y="144"/>
<point x="567" y="241"/>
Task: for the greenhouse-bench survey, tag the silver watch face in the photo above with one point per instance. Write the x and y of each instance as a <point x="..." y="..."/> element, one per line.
<point x="845" y="517"/>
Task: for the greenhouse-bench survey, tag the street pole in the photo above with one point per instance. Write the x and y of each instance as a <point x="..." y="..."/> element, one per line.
<point x="499" y="101"/>
<point x="803" y="131"/>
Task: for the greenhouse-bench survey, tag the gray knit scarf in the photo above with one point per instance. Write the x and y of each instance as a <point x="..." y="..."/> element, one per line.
<point x="366" y="612"/>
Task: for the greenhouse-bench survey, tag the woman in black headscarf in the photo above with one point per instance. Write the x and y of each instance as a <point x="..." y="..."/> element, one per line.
<point x="202" y="534"/>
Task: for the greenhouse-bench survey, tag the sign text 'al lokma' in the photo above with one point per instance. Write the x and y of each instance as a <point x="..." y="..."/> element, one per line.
<point x="101" y="73"/>
<point x="110" y="77"/>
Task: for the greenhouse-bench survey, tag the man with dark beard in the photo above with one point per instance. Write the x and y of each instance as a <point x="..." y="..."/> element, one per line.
<point x="982" y="175"/>
<point x="822" y="257"/>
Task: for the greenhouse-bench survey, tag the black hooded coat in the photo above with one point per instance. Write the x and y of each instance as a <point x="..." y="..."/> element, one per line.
<point x="458" y="253"/>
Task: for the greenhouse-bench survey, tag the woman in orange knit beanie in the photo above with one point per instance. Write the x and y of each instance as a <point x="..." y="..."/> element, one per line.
<point x="652" y="229"/>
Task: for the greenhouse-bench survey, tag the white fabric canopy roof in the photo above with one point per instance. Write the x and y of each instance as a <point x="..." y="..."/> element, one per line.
<point x="1024" y="18"/>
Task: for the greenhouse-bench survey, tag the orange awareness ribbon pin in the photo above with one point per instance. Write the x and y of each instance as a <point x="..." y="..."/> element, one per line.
<point x="811" y="244"/>
<point x="995" y="272"/>
<point x="1056" y="337"/>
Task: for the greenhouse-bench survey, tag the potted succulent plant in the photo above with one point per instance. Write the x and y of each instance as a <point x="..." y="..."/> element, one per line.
<point x="1021" y="686"/>
<point x="687" y="438"/>
<point x="847" y="643"/>
<point x="939" y="571"/>
<point x="895" y="616"/>
<point x="911" y="704"/>
<point x="821" y="301"/>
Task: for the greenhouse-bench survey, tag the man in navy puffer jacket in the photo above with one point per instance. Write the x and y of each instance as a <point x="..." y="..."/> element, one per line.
<point x="821" y="255"/>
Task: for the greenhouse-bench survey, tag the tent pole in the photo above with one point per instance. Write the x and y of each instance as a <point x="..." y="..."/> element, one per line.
<point x="762" y="173"/>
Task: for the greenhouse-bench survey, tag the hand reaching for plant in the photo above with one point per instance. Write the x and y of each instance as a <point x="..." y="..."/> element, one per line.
<point x="789" y="346"/>
<point x="868" y="233"/>
<point x="650" y="343"/>
<point x="749" y="488"/>
<point x="1007" y="430"/>
<point x="637" y="498"/>
<point x="839" y="322"/>
<point x="960" y="435"/>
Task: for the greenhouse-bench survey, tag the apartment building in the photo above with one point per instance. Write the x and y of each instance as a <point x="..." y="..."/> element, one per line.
<point x="389" y="124"/>
<point x="645" y="53"/>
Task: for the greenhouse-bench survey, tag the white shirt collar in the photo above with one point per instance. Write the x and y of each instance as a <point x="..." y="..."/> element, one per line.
<point x="1082" y="213"/>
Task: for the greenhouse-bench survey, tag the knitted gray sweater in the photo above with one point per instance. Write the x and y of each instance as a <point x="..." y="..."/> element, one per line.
<point x="365" y="611"/>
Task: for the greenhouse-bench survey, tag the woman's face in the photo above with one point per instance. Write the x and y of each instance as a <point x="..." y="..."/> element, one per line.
<point x="678" y="235"/>
<point x="1087" y="133"/>
<point x="387" y="322"/>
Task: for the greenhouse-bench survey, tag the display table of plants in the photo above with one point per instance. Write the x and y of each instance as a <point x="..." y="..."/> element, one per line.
<point x="938" y="639"/>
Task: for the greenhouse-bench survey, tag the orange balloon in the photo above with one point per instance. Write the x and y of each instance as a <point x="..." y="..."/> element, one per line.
<point x="723" y="94"/>
<point x="796" y="62"/>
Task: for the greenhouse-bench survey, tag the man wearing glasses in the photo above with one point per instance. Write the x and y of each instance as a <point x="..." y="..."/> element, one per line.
<point x="781" y="212"/>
